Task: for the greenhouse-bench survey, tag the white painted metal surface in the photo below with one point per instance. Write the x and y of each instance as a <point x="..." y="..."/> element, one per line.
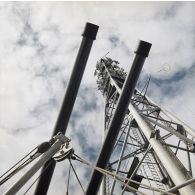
<point x="169" y="161"/>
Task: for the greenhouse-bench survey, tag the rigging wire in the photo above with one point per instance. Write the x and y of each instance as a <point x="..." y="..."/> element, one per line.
<point x="77" y="177"/>
<point x="43" y="147"/>
<point x="121" y="178"/>
<point x="68" y="179"/>
<point x="18" y="168"/>
<point x="18" y="162"/>
<point x="14" y="172"/>
<point x="37" y="178"/>
<point x="107" y="173"/>
<point x="71" y="166"/>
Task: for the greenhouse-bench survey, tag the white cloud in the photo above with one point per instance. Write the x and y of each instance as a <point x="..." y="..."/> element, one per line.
<point x="39" y="43"/>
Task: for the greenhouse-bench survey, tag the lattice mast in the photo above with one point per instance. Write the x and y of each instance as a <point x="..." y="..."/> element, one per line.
<point x="153" y="146"/>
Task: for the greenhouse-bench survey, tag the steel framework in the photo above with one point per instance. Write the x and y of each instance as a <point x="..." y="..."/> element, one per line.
<point x="148" y="147"/>
<point x="153" y="146"/>
<point x="142" y="52"/>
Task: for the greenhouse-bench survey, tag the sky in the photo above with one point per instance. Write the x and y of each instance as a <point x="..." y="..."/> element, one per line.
<point x="39" y="42"/>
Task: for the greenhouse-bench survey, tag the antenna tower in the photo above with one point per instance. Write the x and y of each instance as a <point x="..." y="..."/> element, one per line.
<point x="153" y="147"/>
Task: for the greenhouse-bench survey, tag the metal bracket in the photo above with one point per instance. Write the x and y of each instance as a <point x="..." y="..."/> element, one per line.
<point x="65" y="152"/>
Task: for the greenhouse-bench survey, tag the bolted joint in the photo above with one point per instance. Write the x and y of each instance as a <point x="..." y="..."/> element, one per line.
<point x="62" y="138"/>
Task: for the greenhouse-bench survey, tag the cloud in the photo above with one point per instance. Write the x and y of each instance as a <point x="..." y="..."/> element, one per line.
<point x="39" y="44"/>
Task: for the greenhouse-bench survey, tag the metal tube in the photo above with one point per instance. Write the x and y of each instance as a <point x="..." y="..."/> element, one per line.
<point x="120" y="158"/>
<point x="89" y="36"/>
<point x="189" y="161"/>
<point x="116" y="122"/>
<point x="174" y="118"/>
<point x="181" y="185"/>
<point x="135" y="170"/>
<point x="20" y="183"/>
<point x="177" y="147"/>
<point x="182" y="137"/>
<point x="186" y="126"/>
<point x="173" y="167"/>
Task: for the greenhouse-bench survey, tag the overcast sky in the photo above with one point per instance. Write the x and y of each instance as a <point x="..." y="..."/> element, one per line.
<point x="38" y="46"/>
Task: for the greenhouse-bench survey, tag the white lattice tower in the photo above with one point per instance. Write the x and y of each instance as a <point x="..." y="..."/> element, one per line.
<point x="153" y="146"/>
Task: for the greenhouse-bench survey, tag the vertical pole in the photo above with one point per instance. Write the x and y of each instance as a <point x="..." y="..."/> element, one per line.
<point x="116" y="122"/>
<point x="89" y="36"/>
